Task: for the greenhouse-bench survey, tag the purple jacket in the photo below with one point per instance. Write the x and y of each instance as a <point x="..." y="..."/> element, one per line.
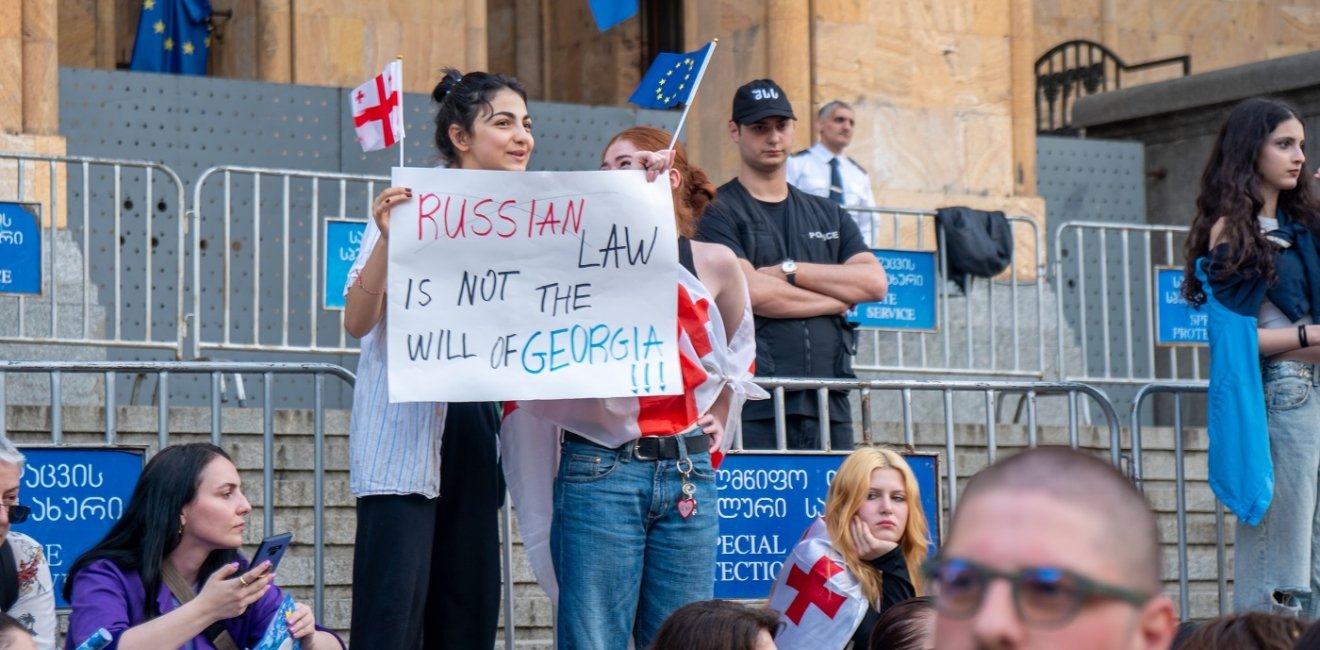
<point x="105" y="596"/>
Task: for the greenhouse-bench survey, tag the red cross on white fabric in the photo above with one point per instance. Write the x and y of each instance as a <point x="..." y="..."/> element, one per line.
<point x="380" y="112"/>
<point x="812" y="589"/>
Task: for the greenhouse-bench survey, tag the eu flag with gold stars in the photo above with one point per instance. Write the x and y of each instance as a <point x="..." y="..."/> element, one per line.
<point x="671" y="80"/>
<point x="173" y="36"/>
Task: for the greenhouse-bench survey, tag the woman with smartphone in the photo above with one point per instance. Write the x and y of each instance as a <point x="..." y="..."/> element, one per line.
<point x="169" y="575"/>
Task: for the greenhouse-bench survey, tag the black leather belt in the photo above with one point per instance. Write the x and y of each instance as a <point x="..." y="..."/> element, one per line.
<point x="653" y="447"/>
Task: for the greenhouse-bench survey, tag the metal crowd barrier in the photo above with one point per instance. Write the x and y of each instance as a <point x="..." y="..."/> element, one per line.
<point x="129" y="209"/>
<point x="1104" y="277"/>
<point x="989" y="392"/>
<point x="164" y="372"/>
<point x="251" y="283"/>
<point x="1178" y="391"/>
<point x="985" y="393"/>
<point x="955" y="347"/>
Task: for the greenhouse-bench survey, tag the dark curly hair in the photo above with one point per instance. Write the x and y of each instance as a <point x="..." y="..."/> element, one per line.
<point x="1230" y="189"/>
<point x="461" y="99"/>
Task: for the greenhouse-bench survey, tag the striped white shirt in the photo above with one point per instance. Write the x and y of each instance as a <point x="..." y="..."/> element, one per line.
<point x="392" y="448"/>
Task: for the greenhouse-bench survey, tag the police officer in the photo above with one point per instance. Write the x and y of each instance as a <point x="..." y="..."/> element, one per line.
<point x="806" y="264"/>
<point x="823" y="170"/>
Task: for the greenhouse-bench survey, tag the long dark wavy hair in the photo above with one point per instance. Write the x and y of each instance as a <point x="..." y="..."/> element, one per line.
<point x="149" y="530"/>
<point x="1230" y="189"/>
<point x="460" y="99"/>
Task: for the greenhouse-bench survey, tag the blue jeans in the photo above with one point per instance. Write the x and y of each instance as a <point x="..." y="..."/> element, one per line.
<point x="1277" y="563"/>
<point x="624" y="558"/>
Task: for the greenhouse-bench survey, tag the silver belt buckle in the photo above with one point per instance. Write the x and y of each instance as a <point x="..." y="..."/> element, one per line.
<point x="637" y="451"/>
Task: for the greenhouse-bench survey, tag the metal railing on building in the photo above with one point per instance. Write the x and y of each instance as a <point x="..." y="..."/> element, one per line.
<point x="1073" y="69"/>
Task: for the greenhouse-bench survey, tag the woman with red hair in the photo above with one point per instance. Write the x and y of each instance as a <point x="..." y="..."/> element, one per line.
<point x="626" y="533"/>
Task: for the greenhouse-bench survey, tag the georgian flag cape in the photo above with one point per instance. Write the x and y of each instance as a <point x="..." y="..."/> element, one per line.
<point x="819" y="600"/>
<point x="529" y="436"/>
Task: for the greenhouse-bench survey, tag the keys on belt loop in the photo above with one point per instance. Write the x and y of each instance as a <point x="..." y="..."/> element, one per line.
<point x="687" y="504"/>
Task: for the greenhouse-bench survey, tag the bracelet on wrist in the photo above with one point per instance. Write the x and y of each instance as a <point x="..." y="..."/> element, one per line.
<point x="1302" y="341"/>
<point x="364" y="287"/>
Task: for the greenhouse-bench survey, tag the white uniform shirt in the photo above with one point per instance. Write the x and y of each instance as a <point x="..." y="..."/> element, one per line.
<point x="809" y="171"/>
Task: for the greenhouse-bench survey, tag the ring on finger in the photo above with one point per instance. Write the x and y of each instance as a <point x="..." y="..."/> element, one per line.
<point x="243" y="581"/>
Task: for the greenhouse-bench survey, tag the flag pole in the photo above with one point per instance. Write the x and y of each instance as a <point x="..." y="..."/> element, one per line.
<point x="687" y="106"/>
<point x="402" y="115"/>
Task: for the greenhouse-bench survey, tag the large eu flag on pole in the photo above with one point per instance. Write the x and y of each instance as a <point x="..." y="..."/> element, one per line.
<point x="173" y="36"/>
<point x="671" y="80"/>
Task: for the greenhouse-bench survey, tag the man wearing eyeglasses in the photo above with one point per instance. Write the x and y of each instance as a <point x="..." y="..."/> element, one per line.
<point x="26" y="591"/>
<point x="1051" y="549"/>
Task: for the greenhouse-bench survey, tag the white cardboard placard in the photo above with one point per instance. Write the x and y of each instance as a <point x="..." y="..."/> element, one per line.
<point x="531" y="285"/>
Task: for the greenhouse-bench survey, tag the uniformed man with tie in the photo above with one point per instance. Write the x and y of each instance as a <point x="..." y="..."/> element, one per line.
<point x="823" y="170"/>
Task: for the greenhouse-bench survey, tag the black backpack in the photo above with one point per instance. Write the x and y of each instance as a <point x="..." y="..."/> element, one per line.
<point x="976" y="242"/>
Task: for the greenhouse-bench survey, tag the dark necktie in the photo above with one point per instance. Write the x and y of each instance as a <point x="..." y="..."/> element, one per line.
<point x="836" y="182"/>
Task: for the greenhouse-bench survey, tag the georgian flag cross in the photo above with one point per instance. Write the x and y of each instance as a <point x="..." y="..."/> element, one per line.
<point x="377" y="114"/>
<point x="820" y="602"/>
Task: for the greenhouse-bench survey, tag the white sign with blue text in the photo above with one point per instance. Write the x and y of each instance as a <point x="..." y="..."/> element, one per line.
<point x="532" y="285"/>
<point x="20" y="248"/>
<point x="343" y="238"/>
<point x="1178" y="323"/>
<point x="910" y="302"/>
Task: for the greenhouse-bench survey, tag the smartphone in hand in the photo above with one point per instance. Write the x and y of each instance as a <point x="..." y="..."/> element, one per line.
<point x="272" y="548"/>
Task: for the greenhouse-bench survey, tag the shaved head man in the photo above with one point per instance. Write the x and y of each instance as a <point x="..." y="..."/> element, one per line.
<point x="1051" y="549"/>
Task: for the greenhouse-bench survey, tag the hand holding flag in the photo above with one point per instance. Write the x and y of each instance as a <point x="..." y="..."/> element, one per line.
<point x="673" y="79"/>
<point x="377" y="108"/>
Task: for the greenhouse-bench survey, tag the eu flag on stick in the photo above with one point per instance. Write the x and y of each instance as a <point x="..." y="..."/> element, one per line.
<point x="173" y="36"/>
<point x="672" y="79"/>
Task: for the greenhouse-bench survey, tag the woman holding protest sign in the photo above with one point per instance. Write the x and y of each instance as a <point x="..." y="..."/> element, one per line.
<point x="168" y="574"/>
<point x="626" y="533"/>
<point x="426" y="558"/>
<point x="874" y="532"/>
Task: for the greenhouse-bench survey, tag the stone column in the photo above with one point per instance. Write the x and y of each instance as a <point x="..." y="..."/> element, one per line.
<point x="106" y="30"/>
<point x="1022" y="59"/>
<point x="476" y="34"/>
<point x="40" y="67"/>
<point x="11" y="67"/>
<point x="529" y="66"/>
<point x="274" y="41"/>
<point x="789" y="59"/>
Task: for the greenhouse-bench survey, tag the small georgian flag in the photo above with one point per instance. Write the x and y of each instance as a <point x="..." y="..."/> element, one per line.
<point x="377" y="109"/>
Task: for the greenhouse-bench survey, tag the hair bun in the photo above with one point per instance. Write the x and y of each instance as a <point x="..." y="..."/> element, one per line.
<point x="448" y="80"/>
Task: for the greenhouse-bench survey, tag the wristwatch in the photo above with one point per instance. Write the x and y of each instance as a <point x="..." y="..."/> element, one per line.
<point x="789" y="267"/>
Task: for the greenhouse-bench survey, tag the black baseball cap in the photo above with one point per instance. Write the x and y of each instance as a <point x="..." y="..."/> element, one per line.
<point x="757" y="100"/>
